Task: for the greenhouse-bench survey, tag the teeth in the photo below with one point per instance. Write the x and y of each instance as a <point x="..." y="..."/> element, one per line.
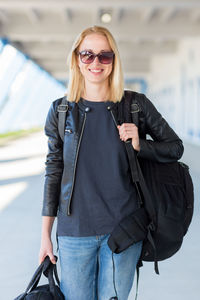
<point x="95" y="71"/>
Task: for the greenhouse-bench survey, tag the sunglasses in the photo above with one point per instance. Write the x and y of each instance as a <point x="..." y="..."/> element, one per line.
<point x="87" y="57"/>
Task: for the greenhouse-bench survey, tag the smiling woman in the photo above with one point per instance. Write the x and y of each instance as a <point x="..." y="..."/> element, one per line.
<point x="93" y="68"/>
<point x="104" y="58"/>
<point x="88" y="182"/>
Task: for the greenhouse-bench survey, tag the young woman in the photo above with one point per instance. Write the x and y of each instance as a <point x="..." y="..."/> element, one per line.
<point x="88" y="182"/>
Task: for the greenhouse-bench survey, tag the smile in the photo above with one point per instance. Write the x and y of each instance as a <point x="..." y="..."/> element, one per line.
<point x="96" y="71"/>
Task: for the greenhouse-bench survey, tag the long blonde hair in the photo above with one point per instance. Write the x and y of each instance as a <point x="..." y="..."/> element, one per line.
<point x="76" y="80"/>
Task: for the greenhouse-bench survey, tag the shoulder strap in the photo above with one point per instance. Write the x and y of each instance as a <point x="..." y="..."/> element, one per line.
<point x="134" y="109"/>
<point x="62" y="111"/>
<point x="124" y="116"/>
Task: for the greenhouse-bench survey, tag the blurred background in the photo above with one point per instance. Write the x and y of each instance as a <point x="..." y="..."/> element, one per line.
<point x="159" y="44"/>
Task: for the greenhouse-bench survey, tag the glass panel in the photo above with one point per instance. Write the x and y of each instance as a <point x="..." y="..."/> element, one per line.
<point x="26" y="91"/>
<point x="11" y="62"/>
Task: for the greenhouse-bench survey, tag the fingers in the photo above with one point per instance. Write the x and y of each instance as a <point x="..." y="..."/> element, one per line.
<point x="127" y="131"/>
<point x="51" y="257"/>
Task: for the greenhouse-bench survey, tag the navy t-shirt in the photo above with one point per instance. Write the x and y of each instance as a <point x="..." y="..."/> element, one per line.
<point x="103" y="191"/>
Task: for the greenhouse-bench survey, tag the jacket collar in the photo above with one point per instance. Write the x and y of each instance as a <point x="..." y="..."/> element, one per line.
<point x="83" y="106"/>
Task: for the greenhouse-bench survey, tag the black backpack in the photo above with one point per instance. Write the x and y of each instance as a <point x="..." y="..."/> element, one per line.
<point x="165" y="191"/>
<point x="50" y="291"/>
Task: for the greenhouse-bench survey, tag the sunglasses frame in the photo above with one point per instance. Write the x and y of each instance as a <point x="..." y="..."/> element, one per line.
<point x="96" y="55"/>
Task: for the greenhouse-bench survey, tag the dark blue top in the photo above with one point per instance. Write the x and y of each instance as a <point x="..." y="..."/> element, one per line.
<point x="103" y="191"/>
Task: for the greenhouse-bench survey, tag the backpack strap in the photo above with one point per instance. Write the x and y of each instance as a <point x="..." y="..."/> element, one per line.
<point x="62" y="112"/>
<point x="124" y="116"/>
<point x="133" y="112"/>
<point x="141" y="186"/>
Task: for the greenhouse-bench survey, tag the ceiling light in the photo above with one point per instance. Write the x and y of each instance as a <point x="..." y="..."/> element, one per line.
<point x="106" y="18"/>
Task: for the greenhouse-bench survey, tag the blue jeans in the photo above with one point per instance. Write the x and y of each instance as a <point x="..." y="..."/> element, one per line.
<point x="87" y="268"/>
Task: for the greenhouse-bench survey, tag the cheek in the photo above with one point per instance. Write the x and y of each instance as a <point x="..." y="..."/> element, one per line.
<point x="81" y="68"/>
<point x="109" y="70"/>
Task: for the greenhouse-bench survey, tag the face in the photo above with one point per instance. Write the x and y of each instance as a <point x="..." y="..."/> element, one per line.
<point x="95" y="72"/>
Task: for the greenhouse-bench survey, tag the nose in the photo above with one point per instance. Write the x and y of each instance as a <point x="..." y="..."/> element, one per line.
<point x="96" y="61"/>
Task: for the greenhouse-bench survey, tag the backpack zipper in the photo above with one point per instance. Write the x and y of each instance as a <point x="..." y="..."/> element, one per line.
<point x="69" y="203"/>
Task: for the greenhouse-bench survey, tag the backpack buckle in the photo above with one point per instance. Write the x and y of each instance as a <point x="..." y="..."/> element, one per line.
<point x="151" y="226"/>
<point x="134" y="108"/>
<point x="62" y="108"/>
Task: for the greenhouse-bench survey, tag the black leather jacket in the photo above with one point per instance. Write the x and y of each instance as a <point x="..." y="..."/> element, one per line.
<point x="62" y="156"/>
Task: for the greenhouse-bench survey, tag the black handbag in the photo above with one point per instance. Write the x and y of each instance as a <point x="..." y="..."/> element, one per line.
<point x="49" y="291"/>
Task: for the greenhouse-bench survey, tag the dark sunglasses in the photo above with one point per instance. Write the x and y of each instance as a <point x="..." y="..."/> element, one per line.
<point x="87" y="57"/>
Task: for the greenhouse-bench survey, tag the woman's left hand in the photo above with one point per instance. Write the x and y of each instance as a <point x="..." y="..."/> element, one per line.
<point x="129" y="131"/>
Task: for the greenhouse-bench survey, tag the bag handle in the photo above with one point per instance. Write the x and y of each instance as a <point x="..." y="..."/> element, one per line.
<point x="34" y="281"/>
<point x="48" y="269"/>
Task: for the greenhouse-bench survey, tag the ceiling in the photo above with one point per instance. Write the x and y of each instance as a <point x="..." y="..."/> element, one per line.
<point x="45" y="29"/>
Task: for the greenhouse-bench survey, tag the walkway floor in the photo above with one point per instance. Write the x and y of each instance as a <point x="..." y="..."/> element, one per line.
<point x="21" y="189"/>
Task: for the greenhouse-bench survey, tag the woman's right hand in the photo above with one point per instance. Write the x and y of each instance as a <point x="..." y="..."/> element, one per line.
<point x="46" y="249"/>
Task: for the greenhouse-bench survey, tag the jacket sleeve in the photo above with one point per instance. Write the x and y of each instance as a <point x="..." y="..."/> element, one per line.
<point x="166" y="146"/>
<point x="54" y="164"/>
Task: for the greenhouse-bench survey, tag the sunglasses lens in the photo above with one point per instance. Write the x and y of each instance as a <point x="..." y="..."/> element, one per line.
<point x="86" y="57"/>
<point x="106" y="57"/>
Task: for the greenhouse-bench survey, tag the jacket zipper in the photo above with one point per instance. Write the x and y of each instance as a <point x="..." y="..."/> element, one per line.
<point x="113" y="117"/>
<point x="69" y="203"/>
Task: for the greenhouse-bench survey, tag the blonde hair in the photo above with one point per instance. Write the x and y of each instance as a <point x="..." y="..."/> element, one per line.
<point x="76" y="80"/>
